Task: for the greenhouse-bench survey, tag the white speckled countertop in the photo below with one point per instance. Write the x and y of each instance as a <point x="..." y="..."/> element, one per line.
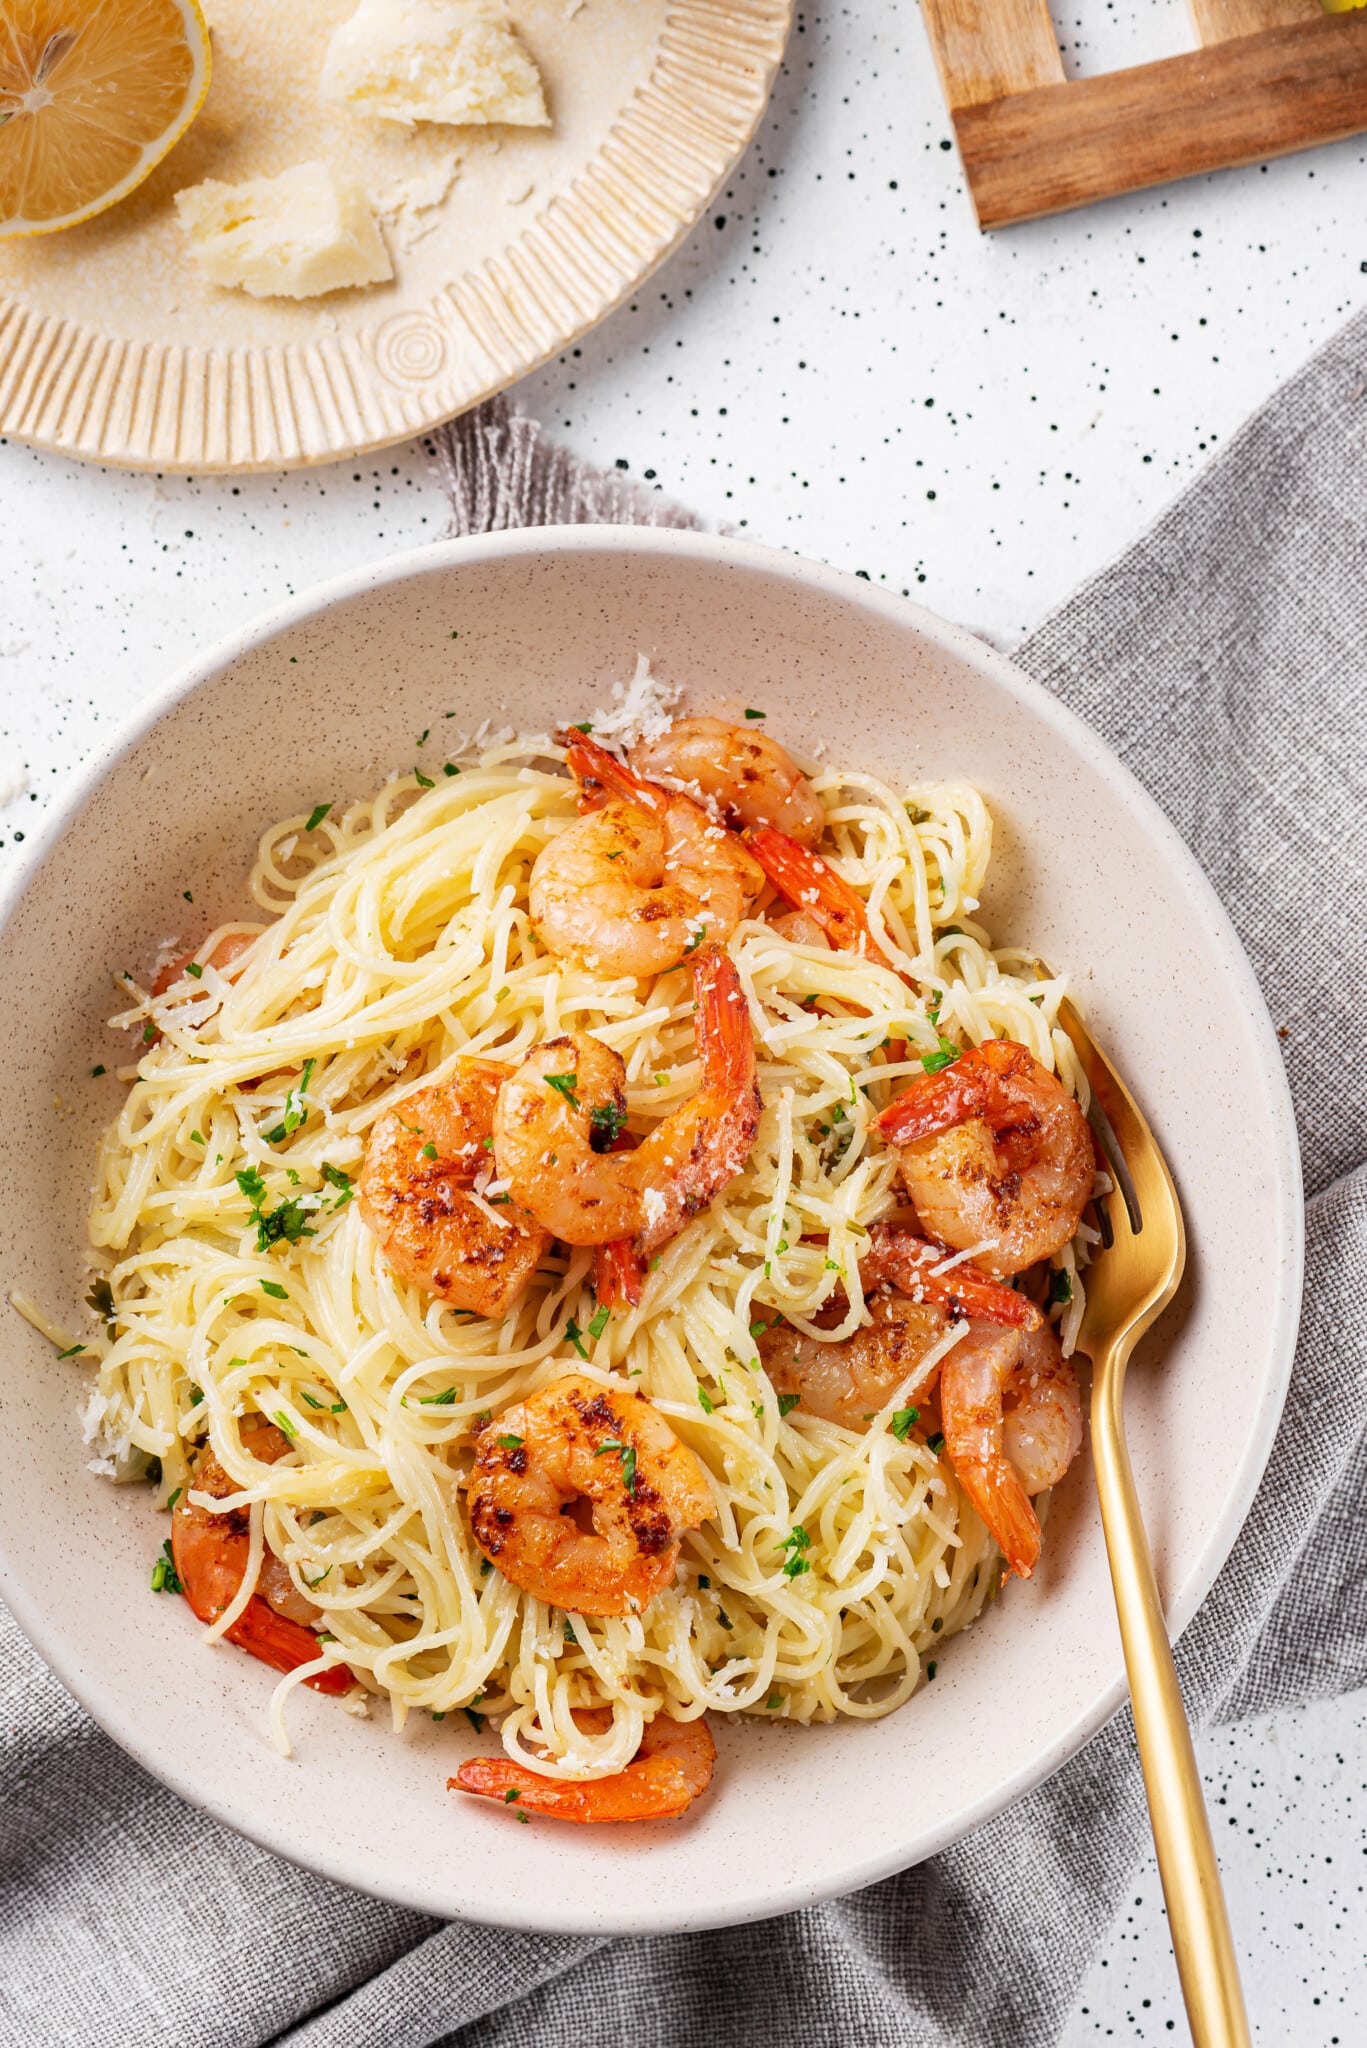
<point x="837" y="362"/>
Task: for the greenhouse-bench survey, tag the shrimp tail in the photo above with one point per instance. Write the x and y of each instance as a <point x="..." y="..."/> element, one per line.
<point x="591" y="763"/>
<point x="909" y="1263"/>
<point x="960" y="1091"/>
<point x="650" y="1788"/>
<point x="809" y="883"/>
<point x="617" y="1275"/>
<point x="284" y="1644"/>
<point x="1001" y="1500"/>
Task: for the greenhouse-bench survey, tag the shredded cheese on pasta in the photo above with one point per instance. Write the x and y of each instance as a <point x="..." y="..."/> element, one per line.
<point x="394" y="939"/>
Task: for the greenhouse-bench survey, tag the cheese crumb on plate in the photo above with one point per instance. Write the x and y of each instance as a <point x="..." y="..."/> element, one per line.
<point x="295" y="236"/>
<point x="454" y="61"/>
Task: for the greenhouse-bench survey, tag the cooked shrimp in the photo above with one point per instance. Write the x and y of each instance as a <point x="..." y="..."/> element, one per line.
<point x="631" y="888"/>
<point x="801" y="928"/>
<point x="567" y="1101"/>
<point x="223" y="955"/>
<point x="849" y="1380"/>
<point x="922" y="1272"/>
<point x="1012" y="1419"/>
<point x="995" y="1154"/>
<point x="671" y="1768"/>
<point x="811" y="885"/>
<point x="210" y="1556"/>
<point x="740" y="772"/>
<point x="580" y="1494"/>
<point x="419" y="1192"/>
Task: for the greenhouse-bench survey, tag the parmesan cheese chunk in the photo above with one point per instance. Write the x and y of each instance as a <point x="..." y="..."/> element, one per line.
<point x="296" y="236"/>
<point x="454" y="61"/>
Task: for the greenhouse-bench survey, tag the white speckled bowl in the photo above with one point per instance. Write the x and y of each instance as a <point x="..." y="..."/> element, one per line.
<point x="322" y="698"/>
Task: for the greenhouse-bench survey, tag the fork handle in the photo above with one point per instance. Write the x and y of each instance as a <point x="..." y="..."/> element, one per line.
<point x="1197" y="1918"/>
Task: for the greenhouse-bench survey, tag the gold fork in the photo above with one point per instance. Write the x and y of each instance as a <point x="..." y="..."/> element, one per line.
<point x="1129" y="1284"/>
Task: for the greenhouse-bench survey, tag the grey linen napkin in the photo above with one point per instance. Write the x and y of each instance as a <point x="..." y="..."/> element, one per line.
<point x="1224" y="658"/>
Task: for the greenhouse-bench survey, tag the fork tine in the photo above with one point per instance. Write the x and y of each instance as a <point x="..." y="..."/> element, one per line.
<point x="1150" y="1185"/>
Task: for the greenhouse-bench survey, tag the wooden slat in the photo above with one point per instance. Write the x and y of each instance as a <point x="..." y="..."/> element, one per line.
<point x="1217" y="20"/>
<point x="1237" y="103"/>
<point x="988" y="48"/>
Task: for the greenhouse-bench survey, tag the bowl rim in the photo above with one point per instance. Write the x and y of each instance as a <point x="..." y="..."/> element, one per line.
<point x="786" y="1892"/>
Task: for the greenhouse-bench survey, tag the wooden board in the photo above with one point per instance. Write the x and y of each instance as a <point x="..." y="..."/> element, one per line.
<point x="1271" y="76"/>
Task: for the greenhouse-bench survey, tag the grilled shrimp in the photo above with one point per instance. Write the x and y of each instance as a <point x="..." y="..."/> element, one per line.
<point x="632" y="887"/>
<point x="210" y="1556"/>
<point x="419" y="1192"/>
<point x="1012" y="1419"/>
<point x="912" y="1304"/>
<point x="811" y="885"/>
<point x="739" y="772"/>
<point x="850" y="1380"/>
<point x="580" y="1494"/>
<point x="671" y="1768"/>
<point x="995" y="1154"/>
<point x="223" y="954"/>
<point x="566" y="1103"/>
<point x="896" y="1258"/>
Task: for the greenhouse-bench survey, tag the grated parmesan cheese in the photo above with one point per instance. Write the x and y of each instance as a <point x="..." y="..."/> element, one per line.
<point x="641" y="709"/>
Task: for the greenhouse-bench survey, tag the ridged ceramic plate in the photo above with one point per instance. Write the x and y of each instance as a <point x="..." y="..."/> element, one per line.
<point x="507" y="243"/>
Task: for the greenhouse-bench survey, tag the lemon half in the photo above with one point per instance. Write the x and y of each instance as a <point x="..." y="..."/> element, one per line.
<point x="93" y="93"/>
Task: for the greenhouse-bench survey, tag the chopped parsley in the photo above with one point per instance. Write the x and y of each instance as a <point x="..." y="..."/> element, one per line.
<point x="509" y="1443"/>
<point x="449" y="768"/>
<point x="585" y="727"/>
<point x="149" y="1032"/>
<point x="295" y="1112"/>
<point x="316" y="816"/>
<point x="335" y="1178"/>
<point x="101" y="1299"/>
<point x="917" y="815"/>
<point x="796" y="1564"/>
<point x="429" y="1150"/>
<point x="445" y="1399"/>
<point x="753" y="714"/>
<point x="423" y="781"/>
<point x="705" y="1402"/>
<point x="576" y="1337"/>
<point x="704" y="1582"/>
<point x="1060" y="1287"/>
<point x="476" y="1720"/>
<point x="902" y="1422"/>
<point x="787" y="1403"/>
<point x="775" y="1699"/>
<point x="188" y="897"/>
<point x="601" y="1318"/>
<point x="944" y="1056"/>
<point x="930" y="1668"/>
<point x="605" y="1122"/>
<point x="695" y="940"/>
<point x="628" y="1456"/>
<point x="724" y="1618"/>
<point x="324" y="1407"/>
<point x="164" y="1576"/>
<point x="757" y="1410"/>
<point x="569" y="1634"/>
<point x="422" y="736"/>
<point x="511" y="1796"/>
<point x="935" y="1444"/>
<point x="72" y="1351"/>
<point x="273" y="1287"/>
<point x="196" y="1137"/>
<point x="564" y="1084"/>
<point x="194" y="970"/>
<point x="173" y="1497"/>
<point x="95" y="1072"/>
